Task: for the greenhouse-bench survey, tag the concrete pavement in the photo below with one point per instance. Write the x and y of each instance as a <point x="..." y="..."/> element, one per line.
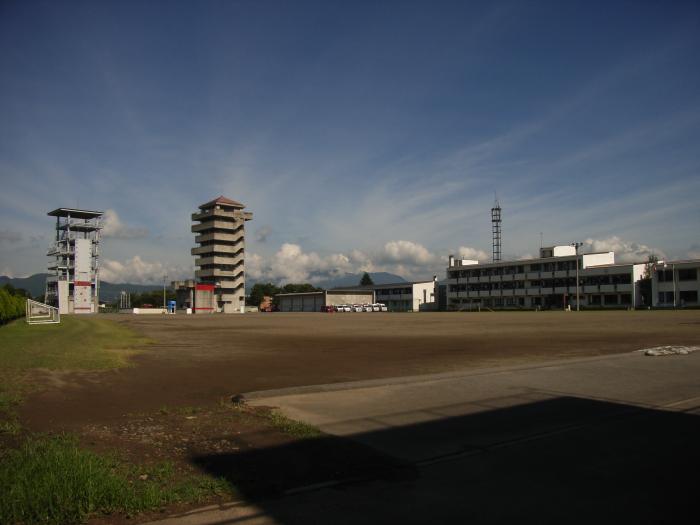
<point x="363" y="409"/>
<point x="613" y="439"/>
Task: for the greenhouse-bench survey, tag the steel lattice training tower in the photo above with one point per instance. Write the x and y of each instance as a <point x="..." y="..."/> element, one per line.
<point x="73" y="282"/>
<point x="220" y="256"/>
<point x="496" y="230"/>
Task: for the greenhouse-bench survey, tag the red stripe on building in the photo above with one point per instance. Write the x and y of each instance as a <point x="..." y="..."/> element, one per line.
<point x="82" y="283"/>
<point x="204" y="287"/>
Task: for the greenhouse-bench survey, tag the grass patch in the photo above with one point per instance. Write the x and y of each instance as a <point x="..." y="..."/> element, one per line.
<point x="291" y="427"/>
<point x="86" y="343"/>
<point x="77" y="343"/>
<point x="51" y="480"/>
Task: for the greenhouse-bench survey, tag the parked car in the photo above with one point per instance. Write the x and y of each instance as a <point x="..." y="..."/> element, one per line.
<point x="367" y="308"/>
<point x="383" y="307"/>
<point x="357" y="308"/>
<point x="376" y="307"/>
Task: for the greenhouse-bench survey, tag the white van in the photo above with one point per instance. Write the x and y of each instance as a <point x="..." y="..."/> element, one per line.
<point x="383" y="307"/>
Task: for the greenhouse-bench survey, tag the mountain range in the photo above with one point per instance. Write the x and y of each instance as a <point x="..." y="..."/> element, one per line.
<point x="109" y="292"/>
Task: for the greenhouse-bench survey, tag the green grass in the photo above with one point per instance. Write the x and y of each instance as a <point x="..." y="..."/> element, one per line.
<point x="85" y="343"/>
<point x="50" y="480"/>
<point x="291" y="427"/>
<point x="77" y="343"/>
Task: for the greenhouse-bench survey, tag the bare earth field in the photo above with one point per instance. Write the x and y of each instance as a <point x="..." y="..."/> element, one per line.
<point x="201" y="360"/>
<point x="173" y="404"/>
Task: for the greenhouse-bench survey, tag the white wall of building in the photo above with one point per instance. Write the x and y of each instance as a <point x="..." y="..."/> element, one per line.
<point x="676" y="284"/>
<point x="424" y="296"/>
<point x="597" y="259"/>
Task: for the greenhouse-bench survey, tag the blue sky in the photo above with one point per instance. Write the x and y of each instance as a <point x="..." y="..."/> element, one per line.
<point x="362" y="135"/>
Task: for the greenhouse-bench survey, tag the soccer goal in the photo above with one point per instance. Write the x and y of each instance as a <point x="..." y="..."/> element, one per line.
<point x="40" y="313"/>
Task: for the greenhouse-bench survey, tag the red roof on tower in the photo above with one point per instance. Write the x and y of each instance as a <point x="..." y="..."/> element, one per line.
<point x="222" y="200"/>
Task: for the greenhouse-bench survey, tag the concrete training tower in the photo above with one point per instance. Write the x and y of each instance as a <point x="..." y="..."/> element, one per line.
<point x="73" y="282"/>
<point x="219" y="255"/>
<point x="496" y="230"/>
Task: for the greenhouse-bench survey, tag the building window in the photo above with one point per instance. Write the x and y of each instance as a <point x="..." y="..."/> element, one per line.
<point x="689" y="296"/>
<point x="610" y="299"/>
<point x="666" y="297"/>
<point x="625" y="298"/>
<point x="664" y="275"/>
<point x="689" y="274"/>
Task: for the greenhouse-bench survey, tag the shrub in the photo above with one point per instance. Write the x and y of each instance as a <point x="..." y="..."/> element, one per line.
<point x="11" y="304"/>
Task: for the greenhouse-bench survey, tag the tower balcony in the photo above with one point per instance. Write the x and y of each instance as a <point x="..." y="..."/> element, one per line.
<point x="216" y="248"/>
<point x="229" y="275"/>
<point x="219" y="236"/>
<point x="200" y="261"/>
<point x="220" y="225"/>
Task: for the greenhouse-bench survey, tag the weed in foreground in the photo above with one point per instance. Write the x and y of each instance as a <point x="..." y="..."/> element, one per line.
<point x="50" y="480"/>
<point x="291" y="427"/>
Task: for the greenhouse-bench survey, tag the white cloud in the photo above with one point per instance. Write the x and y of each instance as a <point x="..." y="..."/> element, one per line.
<point x="138" y="271"/>
<point x="113" y="227"/>
<point x="625" y="251"/>
<point x="406" y="258"/>
<point x="466" y="252"/>
<point x="405" y="252"/>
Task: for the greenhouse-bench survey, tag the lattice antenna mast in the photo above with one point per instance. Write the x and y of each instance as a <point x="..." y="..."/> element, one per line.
<point x="496" y="230"/>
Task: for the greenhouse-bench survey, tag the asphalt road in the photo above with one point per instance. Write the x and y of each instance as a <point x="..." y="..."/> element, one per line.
<point x="606" y="439"/>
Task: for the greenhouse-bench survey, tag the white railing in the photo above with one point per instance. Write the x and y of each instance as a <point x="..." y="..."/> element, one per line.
<point x="40" y="313"/>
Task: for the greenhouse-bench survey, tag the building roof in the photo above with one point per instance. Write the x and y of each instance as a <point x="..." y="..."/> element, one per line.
<point x="515" y="262"/>
<point x="74" y="213"/>
<point x="222" y="200"/>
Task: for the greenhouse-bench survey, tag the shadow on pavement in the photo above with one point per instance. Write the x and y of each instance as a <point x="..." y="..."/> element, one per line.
<point x="560" y="460"/>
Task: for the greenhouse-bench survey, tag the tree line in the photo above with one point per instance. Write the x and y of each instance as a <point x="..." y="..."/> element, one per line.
<point x="153" y="298"/>
<point x="12" y="303"/>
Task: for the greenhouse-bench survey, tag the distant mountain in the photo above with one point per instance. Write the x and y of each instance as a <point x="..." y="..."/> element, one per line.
<point x="34" y="284"/>
<point x="109" y="292"/>
<point x="353" y="279"/>
<point x="349" y="279"/>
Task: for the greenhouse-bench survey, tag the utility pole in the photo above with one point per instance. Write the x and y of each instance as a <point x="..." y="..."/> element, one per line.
<point x="576" y="246"/>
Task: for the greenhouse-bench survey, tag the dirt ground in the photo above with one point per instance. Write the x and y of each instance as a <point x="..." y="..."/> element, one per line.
<point x="174" y="402"/>
<point x="201" y="360"/>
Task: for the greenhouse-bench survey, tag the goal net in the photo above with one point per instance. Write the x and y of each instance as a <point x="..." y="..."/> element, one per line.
<point x="40" y="313"/>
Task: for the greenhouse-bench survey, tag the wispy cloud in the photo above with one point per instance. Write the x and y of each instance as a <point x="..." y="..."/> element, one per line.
<point x="10" y="237"/>
<point x="263" y="233"/>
